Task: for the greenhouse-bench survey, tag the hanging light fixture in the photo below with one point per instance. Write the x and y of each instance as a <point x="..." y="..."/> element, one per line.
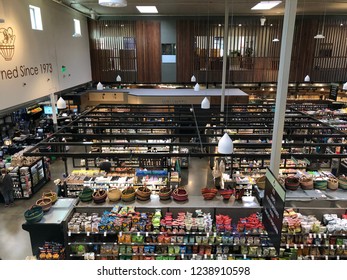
<point x="262" y="21"/>
<point x="196" y="87"/>
<point x="118" y="79"/>
<point x="225" y="145"/>
<point x="193" y="79"/>
<point x="61" y="103"/>
<point x="205" y="103"/>
<point x="344" y="86"/>
<point x="113" y="3"/>
<point x="307" y="78"/>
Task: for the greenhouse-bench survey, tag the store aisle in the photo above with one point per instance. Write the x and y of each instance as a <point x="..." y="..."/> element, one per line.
<point x="14" y="241"/>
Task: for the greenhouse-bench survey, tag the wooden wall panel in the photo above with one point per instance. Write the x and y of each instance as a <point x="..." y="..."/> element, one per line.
<point x="148" y="51"/>
<point x="185" y="51"/>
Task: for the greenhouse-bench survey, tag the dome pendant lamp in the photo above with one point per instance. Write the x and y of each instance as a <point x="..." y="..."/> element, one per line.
<point x="61" y="103"/>
<point x="344" y="86"/>
<point x="307" y="78"/>
<point x="205" y="103"/>
<point x="225" y="145"/>
<point x="113" y="3"/>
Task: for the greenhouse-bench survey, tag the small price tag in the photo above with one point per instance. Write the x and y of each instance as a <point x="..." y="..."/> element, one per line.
<point x="314" y="235"/>
<point x="338" y="257"/>
<point x="310" y="235"/>
<point x="332" y="247"/>
<point x="343" y="246"/>
<point x="205" y="256"/>
<point x="325" y="236"/>
<point x="326" y="257"/>
<point x="244" y="257"/>
<point x="208" y="234"/>
<point x="337" y="246"/>
<point x="146" y="234"/>
<point x="105" y="233"/>
<point x="69" y="233"/>
<point x="69" y="243"/>
<point x="138" y="233"/>
<point x="194" y="256"/>
<point x="88" y="233"/>
<point x="319" y="236"/>
<point x="302" y="246"/>
<point x="295" y="246"/>
<point x="120" y="233"/>
<point x="287" y="246"/>
<point x="312" y="257"/>
<point x="182" y="256"/>
<point x="103" y="243"/>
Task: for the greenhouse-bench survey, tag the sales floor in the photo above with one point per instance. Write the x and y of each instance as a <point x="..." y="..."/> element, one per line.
<point x="15" y="242"/>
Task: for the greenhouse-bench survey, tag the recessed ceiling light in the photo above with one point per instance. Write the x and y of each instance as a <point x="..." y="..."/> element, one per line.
<point x="319" y="36"/>
<point x="266" y="5"/>
<point x="113" y="3"/>
<point x="147" y="9"/>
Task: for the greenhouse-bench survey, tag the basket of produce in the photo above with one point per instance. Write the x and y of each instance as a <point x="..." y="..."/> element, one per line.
<point x="226" y="194"/>
<point x="128" y="194"/>
<point x="143" y="193"/>
<point x="114" y="194"/>
<point x="99" y="196"/>
<point x="180" y="194"/>
<point x="291" y="183"/>
<point x="208" y="193"/>
<point x="45" y="203"/>
<point x="306" y="182"/>
<point x="333" y="184"/>
<point x="52" y="195"/>
<point x="342" y="182"/>
<point x="86" y="195"/>
<point x="165" y="193"/>
<point x="34" y="214"/>
<point x="320" y="184"/>
<point x="260" y="181"/>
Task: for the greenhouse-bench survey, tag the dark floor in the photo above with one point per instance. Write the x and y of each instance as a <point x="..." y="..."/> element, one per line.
<point x="15" y="242"/>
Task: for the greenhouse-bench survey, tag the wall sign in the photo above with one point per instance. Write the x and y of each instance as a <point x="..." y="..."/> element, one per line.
<point x="273" y="208"/>
<point x="7" y="40"/>
<point x="334" y="88"/>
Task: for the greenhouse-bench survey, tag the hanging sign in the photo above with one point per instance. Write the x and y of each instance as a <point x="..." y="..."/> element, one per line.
<point x="273" y="208"/>
<point x="334" y="89"/>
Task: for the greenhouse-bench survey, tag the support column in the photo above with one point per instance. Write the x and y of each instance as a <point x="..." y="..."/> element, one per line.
<point x="282" y="85"/>
<point x="225" y="55"/>
<point x="54" y="114"/>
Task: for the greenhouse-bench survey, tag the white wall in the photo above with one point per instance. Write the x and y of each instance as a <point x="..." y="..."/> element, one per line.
<point x="53" y="45"/>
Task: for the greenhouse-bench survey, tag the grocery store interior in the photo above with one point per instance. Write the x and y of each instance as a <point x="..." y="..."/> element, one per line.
<point x="173" y="130"/>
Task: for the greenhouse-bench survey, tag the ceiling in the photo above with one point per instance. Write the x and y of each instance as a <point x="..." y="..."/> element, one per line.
<point x="204" y="7"/>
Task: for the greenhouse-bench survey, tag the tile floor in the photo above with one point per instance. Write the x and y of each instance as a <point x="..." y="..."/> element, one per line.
<point x="15" y="242"/>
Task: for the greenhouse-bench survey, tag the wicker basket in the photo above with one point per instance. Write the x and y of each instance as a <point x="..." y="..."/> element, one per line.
<point x="99" y="196"/>
<point x="209" y="193"/>
<point x="34" y="214"/>
<point x="226" y="194"/>
<point x="45" y="203"/>
<point x="320" y="184"/>
<point x="333" y="184"/>
<point x="260" y="181"/>
<point x="292" y="183"/>
<point x="342" y="182"/>
<point x="114" y="195"/>
<point x="128" y="194"/>
<point x="180" y="194"/>
<point x="52" y="195"/>
<point x="165" y="193"/>
<point x="86" y="195"/>
<point x="306" y="183"/>
<point x="143" y="193"/>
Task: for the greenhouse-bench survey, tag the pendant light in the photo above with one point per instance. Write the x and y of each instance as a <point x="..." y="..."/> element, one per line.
<point x="196" y="87"/>
<point x="320" y="35"/>
<point x="205" y="103"/>
<point x="307" y="78"/>
<point x="61" y="103"/>
<point x="113" y="3"/>
<point x="225" y="145"/>
<point x="118" y="79"/>
<point x="344" y="86"/>
<point x="193" y="79"/>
